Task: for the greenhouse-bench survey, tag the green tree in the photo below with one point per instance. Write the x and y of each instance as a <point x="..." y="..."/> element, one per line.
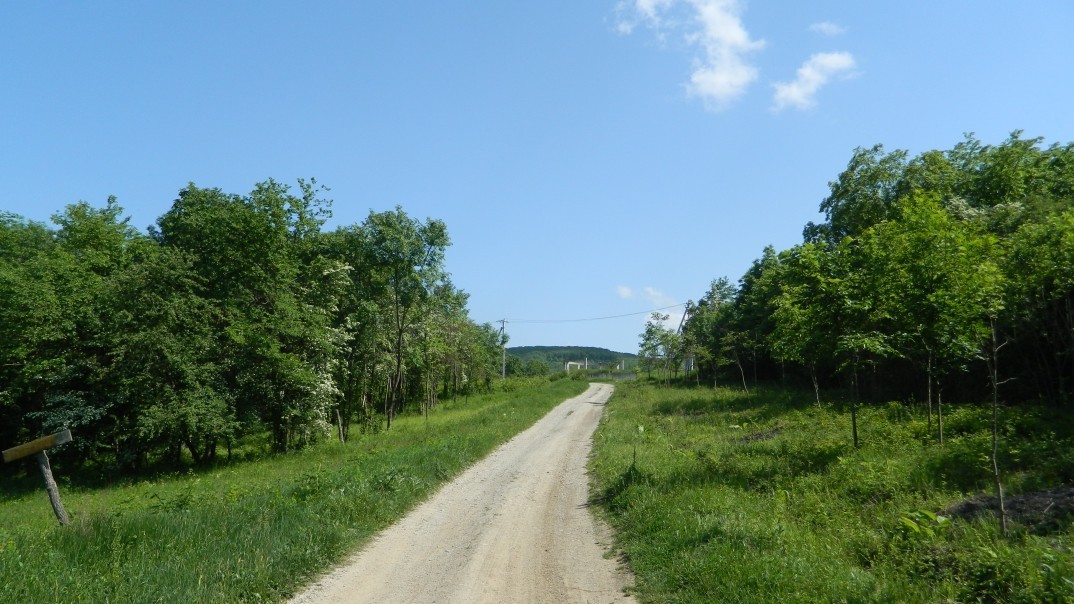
<point x="941" y="280"/>
<point x="651" y="349"/>
<point x="714" y="330"/>
<point x="863" y="195"/>
<point x="1039" y="274"/>
<point x="256" y="258"/>
<point x="55" y="354"/>
<point x="802" y="332"/>
<point x="406" y="260"/>
<point x="163" y="366"/>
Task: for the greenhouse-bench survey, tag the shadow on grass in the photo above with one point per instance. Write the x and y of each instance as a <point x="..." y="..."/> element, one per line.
<point x="610" y="497"/>
<point x="763" y="404"/>
<point x="763" y="467"/>
<point x="17" y="485"/>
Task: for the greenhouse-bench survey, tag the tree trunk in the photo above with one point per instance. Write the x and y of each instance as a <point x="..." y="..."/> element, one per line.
<point x="854" y="407"/>
<point x="816" y="383"/>
<point x="741" y="372"/>
<point x="387" y="403"/>
<point x="928" y="396"/>
<point x="939" y="412"/>
<point x="993" y="374"/>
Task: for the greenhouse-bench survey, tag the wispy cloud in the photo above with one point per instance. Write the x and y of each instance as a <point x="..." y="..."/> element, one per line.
<point x="658" y="298"/>
<point x="651" y="9"/>
<point x="624" y="292"/>
<point x="813" y="75"/>
<point x="633" y="13"/>
<point x="827" y="28"/>
<point x="722" y="72"/>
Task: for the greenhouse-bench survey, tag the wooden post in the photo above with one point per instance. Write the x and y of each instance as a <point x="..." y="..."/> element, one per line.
<point x="37" y="449"/>
<point x="53" y="490"/>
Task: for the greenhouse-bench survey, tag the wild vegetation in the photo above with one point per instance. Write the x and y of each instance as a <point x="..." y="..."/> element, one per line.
<point x="235" y="316"/>
<point x="938" y="279"/>
<point x="931" y="276"/>
<point x="717" y="496"/>
<point x="252" y="531"/>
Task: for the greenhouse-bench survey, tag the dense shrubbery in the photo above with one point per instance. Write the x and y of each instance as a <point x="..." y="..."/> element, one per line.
<point x="235" y="315"/>
<point x="922" y="264"/>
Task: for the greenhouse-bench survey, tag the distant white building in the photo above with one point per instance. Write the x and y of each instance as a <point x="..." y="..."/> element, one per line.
<point x="568" y="364"/>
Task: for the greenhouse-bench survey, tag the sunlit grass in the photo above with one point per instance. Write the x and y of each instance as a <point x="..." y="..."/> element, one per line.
<point x="718" y="498"/>
<point x="252" y="531"/>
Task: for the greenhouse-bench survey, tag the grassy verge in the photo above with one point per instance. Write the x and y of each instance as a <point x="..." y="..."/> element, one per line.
<point x="720" y="499"/>
<point x="253" y="531"/>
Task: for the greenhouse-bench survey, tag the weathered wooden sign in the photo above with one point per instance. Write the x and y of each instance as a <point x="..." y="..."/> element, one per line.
<point x="37" y="449"/>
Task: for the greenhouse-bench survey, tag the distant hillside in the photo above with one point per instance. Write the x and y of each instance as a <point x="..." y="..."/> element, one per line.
<point x="555" y="356"/>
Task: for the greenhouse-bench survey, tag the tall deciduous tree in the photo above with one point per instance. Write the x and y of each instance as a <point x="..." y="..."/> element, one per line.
<point x="943" y="281"/>
<point x="406" y="260"/>
<point x="255" y="257"/>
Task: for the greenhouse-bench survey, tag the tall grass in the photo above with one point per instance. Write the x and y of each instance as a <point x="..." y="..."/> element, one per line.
<point x="254" y="531"/>
<point x="720" y="499"/>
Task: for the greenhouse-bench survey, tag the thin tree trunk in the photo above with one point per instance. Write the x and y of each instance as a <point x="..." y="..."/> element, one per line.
<point x="854" y="407"/>
<point x="813" y="377"/>
<point x="994" y="377"/>
<point x="939" y="412"/>
<point x="387" y="407"/>
<point x="741" y="372"/>
<point x="928" y="396"/>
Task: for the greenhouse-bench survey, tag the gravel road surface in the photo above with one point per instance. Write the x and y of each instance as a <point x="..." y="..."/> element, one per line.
<point x="512" y="528"/>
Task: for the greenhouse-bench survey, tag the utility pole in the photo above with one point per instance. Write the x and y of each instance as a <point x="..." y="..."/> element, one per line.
<point x="503" y="345"/>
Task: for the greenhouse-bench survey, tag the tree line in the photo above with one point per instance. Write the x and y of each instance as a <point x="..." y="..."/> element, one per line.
<point x="540" y="360"/>
<point x="234" y="316"/>
<point x="951" y="272"/>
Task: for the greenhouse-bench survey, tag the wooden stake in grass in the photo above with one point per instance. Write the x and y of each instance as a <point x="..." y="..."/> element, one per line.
<point x="37" y="449"/>
<point x="992" y="361"/>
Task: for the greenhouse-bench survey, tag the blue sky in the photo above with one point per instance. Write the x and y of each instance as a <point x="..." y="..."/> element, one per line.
<point x="590" y="159"/>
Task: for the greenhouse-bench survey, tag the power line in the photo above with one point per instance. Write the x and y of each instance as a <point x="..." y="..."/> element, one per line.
<point x="631" y="314"/>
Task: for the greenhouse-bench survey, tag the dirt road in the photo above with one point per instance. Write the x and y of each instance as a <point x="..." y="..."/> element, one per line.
<point x="513" y="528"/>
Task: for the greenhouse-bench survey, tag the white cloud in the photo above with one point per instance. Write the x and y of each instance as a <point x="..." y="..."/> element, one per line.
<point x="813" y="75"/>
<point x="624" y="292"/>
<point x="722" y="72"/>
<point x="651" y="9"/>
<point x="827" y="28"/>
<point x="658" y="298"/>
<point x="725" y="73"/>
<point x="636" y="12"/>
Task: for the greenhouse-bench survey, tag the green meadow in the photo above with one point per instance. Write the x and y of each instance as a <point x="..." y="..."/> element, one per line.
<point x="250" y="531"/>
<point x="721" y="498"/>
